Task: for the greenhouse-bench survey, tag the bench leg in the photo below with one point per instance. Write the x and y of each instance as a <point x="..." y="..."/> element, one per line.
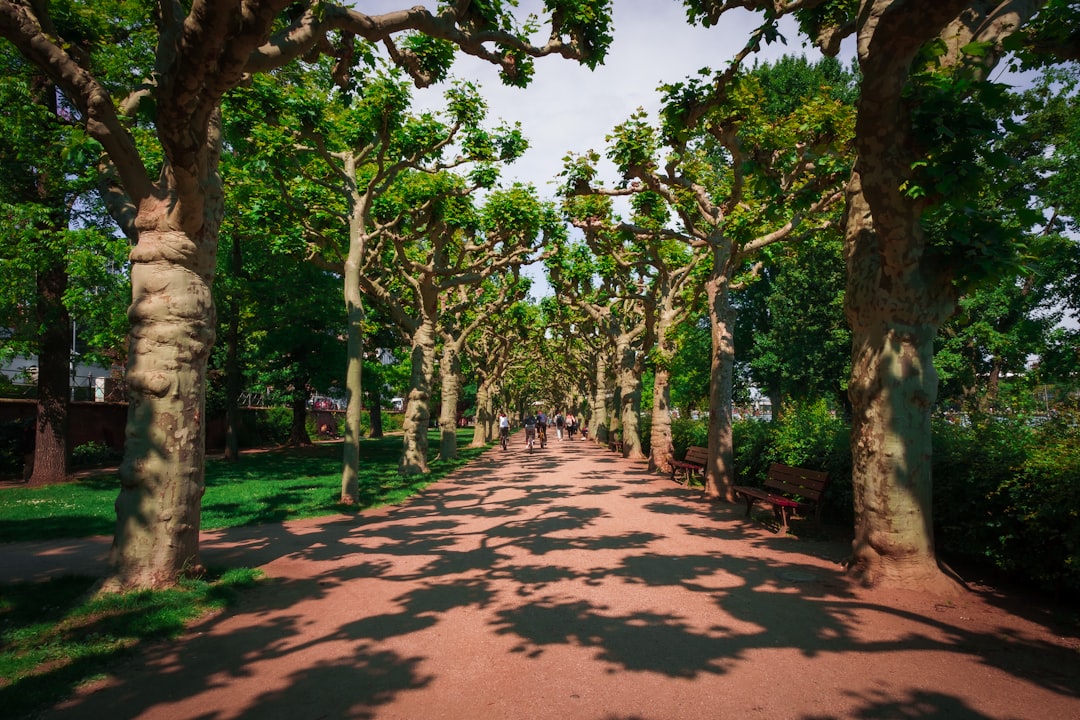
<point x="781" y="514"/>
<point x="749" y="504"/>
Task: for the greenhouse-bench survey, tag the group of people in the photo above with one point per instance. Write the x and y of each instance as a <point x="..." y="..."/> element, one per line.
<point x="565" y="426"/>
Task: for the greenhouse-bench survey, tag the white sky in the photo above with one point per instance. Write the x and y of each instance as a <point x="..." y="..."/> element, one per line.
<point x="568" y="108"/>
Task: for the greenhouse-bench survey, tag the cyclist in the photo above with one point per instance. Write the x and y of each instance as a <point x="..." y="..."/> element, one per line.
<point x="504" y="428"/>
<point x="530" y="430"/>
<point x="541" y="427"/>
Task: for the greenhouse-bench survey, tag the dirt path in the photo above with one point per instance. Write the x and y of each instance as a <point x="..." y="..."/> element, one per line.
<point x="571" y="584"/>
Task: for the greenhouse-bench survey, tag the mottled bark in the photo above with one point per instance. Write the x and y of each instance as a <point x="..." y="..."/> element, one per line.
<point x="172" y="330"/>
<point x="354" y="363"/>
<point x="661" y="445"/>
<point x="629" y="397"/>
<point x="895" y="312"/>
<point x="720" y="469"/>
<point x="450" y="388"/>
<point x="298" y="433"/>
<point x="375" y="414"/>
<point x="484" y="414"/>
<point x="354" y="354"/>
<point x="896" y="300"/>
<point x="418" y="410"/>
<point x="599" y="427"/>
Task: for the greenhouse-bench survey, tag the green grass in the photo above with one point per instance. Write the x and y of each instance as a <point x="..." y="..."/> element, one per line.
<point x="269" y="487"/>
<point x="55" y="636"/>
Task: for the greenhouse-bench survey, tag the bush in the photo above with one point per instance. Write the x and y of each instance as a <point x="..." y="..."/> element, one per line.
<point x="94" y="454"/>
<point x="1007" y="497"/>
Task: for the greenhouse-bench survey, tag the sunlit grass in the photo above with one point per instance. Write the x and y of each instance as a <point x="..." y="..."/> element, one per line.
<point x="269" y="487"/>
<point x="55" y="636"/>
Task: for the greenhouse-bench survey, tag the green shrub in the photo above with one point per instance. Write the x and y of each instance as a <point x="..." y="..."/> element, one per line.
<point x="265" y="427"/>
<point x="95" y="454"/>
<point x="1007" y="496"/>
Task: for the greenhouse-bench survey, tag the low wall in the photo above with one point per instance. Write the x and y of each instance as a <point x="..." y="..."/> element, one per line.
<point x="104" y="423"/>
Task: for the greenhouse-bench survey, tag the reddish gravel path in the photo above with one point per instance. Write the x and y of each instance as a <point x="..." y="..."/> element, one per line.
<point x="571" y="584"/>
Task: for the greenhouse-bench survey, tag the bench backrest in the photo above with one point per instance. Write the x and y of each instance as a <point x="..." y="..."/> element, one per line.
<point x="697" y="455"/>
<point x="807" y="484"/>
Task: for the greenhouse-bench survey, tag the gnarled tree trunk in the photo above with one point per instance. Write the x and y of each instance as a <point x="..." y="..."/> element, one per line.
<point x="450" y="375"/>
<point x="172" y="331"/>
<point x="720" y="470"/>
<point x="418" y="409"/>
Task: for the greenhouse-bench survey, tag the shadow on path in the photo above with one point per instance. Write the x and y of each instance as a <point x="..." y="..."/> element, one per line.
<point x="569" y="583"/>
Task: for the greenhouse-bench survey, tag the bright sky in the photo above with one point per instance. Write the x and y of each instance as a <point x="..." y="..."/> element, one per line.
<point x="568" y="108"/>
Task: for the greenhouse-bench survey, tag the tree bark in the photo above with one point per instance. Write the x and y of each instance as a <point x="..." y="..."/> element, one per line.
<point x="418" y="409"/>
<point x="54" y="380"/>
<point x="172" y="331"/>
<point x="450" y="375"/>
<point x="720" y="470"/>
<point x="629" y="397"/>
<point x="354" y="364"/>
<point x="893" y="389"/>
<point x="896" y="300"/>
<point x="600" y="405"/>
<point x="298" y="433"/>
<point x="661" y="445"/>
<point x="375" y="414"/>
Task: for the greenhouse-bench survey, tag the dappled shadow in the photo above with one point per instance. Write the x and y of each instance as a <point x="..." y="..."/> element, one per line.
<point x="584" y="559"/>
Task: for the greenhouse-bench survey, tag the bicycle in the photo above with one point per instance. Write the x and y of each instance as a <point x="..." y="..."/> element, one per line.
<point x="541" y="435"/>
<point x="530" y="437"/>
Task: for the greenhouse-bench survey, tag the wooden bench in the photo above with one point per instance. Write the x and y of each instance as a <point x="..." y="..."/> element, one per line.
<point x="692" y="464"/>
<point x="782" y="486"/>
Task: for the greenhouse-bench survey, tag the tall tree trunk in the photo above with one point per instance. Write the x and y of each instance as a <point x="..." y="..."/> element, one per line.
<point x="298" y="433"/>
<point x="354" y="364"/>
<point x="600" y="404"/>
<point x="661" y="445"/>
<point x="54" y="380"/>
<point x="895" y="313"/>
<point x="720" y="470"/>
<point x="172" y="331"/>
<point x="484" y="415"/>
<point x="450" y="374"/>
<point x="897" y="297"/>
<point x="375" y="414"/>
<point x="418" y="409"/>
<point x="629" y="398"/>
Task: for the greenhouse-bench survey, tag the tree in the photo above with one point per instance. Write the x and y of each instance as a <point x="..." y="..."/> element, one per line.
<point x="54" y="245"/>
<point x="466" y="309"/>
<point x="170" y="201"/>
<point x="921" y="123"/>
<point x="665" y="270"/>
<point x="736" y="180"/>
<point x="437" y="241"/>
<point x="610" y="290"/>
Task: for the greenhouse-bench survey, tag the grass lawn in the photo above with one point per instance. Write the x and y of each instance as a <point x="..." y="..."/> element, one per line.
<point x="268" y="487"/>
<point x="54" y="636"/>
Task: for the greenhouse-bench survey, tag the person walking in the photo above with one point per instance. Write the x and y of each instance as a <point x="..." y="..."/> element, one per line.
<point x="529" y="423"/>
<point x="504" y="429"/>
<point x="571" y="425"/>
<point x="560" y="424"/>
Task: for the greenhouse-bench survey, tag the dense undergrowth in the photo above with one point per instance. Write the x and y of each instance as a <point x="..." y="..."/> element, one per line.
<point x="1006" y="491"/>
